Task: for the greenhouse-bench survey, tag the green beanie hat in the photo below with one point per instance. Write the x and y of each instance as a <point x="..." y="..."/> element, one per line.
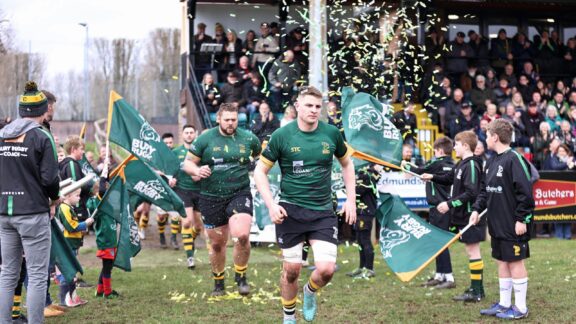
<point x="33" y="103"/>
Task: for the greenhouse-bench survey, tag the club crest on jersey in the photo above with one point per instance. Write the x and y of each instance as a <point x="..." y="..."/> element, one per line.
<point x="500" y="170"/>
<point x="242" y="148"/>
<point x="325" y="148"/>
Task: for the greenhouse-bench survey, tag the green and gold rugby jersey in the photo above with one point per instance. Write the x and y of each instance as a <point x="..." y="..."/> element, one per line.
<point x="184" y="180"/>
<point x="228" y="158"/>
<point x="305" y="159"/>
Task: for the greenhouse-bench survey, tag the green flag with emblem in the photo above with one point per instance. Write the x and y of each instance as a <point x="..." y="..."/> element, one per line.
<point x="407" y="242"/>
<point x="61" y="254"/>
<point x="141" y="180"/>
<point x="128" y="128"/>
<point x="368" y="129"/>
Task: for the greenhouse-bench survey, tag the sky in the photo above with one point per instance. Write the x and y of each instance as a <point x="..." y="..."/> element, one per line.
<point x="51" y="27"/>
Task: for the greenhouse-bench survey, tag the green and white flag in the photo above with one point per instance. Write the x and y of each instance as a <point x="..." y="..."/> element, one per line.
<point x="407" y="242"/>
<point x="128" y="128"/>
<point x="141" y="180"/>
<point x="61" y="254"/>
<point x="368" y="129"/>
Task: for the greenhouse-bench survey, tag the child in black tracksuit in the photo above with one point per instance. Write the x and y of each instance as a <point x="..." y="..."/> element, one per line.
<point x="435" y="195"/>
<point x="466" y="183"/>
<point x="366" y="204"/>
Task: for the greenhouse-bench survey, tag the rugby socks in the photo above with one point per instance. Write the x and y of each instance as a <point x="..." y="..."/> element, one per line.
<point x="218" y="278"/>
<point x="16" y="308"/>
<point x="240" y="271"/>
<point x="448" y="277"/>
<point x="289" y="307"/>
<point x="439" y="276"/>
<point x="107" y="285"/>
<point x="520" y="290"/>
<point x="476" y="270"/>
<point x="188" y="235"/>
<point x="162" y="224"/>
<point x="505" y="292"/>
<point x="143" y="221"/>
<point x="100" y="286"/>
<point x="174" y="226"/>
<point x="311" y="287"/>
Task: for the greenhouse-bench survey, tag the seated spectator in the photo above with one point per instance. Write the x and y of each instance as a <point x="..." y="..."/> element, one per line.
<point x="524" y="88"/>
<point x="566" y="162"/>
<point x="528" y="70"/>
<point x="503" y="93"/>
<point x="453" y="106"/>
<point x="561" y="87"/>
<point x="540" y="102"/>
<point x="282" y="77"/>
<point x="553" y="119"/>
<point x="509" y="74"/>
<point x="501" y="50"/>
<point x="552" y="161"/>
<point x="231" y="92"/>
<point x="539" y="145"/>
<point x="573" y="85"/>
<point x="211" y="92"/>
<point x="560" y="104"/>
<point x="517" y="101"/>
<point x="480" y="94"/>
<point x="566" y="136"/>
<point x="572" y="98"/>
<point x="572" y="119"/>
<point x="253" y="93"/>
<point x="244" y="70"/>
<point x="491" y="113"/>
<point x="466" y="120"/>
<point x="289" y="116"/>
<point x="481" y="133"/>
<point x="532" y="118"/>
<point x="405" y="121"/>
<point x="264" y="124"/>
<point x="467" y="80"/>
<point x="544" y="91"/>
<point x="480" y="150"/>
<point x="514" y="116"/>
<point x="491" y="80"/>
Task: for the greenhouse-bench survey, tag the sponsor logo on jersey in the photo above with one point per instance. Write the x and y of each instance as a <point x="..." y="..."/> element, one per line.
<point x="494" y="189"/>
<point x="216" y="149"/>
<point x="500" y="170"/>
<point x="295" y="149"/>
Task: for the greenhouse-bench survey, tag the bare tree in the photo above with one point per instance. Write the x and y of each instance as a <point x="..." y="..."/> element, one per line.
<point x="123" y="65"/>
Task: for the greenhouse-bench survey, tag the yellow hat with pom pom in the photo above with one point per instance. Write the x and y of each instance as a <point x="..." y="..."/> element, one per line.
<point x="33" y="103"/>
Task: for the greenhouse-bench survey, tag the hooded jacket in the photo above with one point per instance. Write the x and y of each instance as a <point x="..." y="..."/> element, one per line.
<point x="71" y="169"/>
<point x="28" y="169"/>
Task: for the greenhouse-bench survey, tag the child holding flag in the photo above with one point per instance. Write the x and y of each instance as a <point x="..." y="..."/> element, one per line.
<point x="466" y="183"/>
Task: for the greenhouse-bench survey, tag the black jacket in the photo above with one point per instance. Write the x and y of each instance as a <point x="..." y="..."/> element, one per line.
<point x="406" y="124"/>
<point x="28" y="169"/>
<point x="507" y="193"/>
<point x="263" y="130"/>
<point x="435" y="193"/>
<point x="366" y="199"/>
<point x="466" y="182"/>
<point x="71" y="169"/>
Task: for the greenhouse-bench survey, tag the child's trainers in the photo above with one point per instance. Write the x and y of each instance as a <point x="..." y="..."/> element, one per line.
<point x="113" y="295"/>
<point x="512" y="313"/>
<point x="496" y="308"/>
<point x="71" y="302"/>
<point x="99" y="294"/>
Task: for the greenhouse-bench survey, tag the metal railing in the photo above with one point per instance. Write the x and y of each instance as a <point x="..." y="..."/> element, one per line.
<point x="198" y="97"/>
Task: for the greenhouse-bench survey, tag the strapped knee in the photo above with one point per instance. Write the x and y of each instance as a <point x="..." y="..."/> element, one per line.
<point x="324" y="251"/>
<point x="293" y="254"/>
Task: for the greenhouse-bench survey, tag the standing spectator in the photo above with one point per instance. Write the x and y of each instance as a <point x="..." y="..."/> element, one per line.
<point x="434" y="47"/>
<point x="467" y="80"/>
<point x="553" y="119"/>
<point x="265" y="48"/>
<point x="219" y="38"/>
<point x="466" y="120"/>
<point x="457" y="57"/>
<point x="282" y="77"/>
<point x="570" y="57"/>
<point x="501" y="50"/>
<point x="249" y="44"/>
<point x="253" y="93"/>
<point x="211" y="93"/>
<point x="298" y="45"/>
<point x="232" y="50"/>
<point x="481" y="132"/>
<point x="503" y="93"/>
<point x="479" y="46"/>
<point x="539" y="145"/>
<point x="547" y="53"/>
<point x="522" y="50"/>
<point x="244" y="71"/>
<point x="265" y="124"/>
<point x="532" y="118"/>
<point x="556" y="41"/>
<point x="202" y="62"/>
<point x="25" y="216"/>
<point x="231" y="92"/>
<point x="480" y="94"/>
<point x="405" y="121"/>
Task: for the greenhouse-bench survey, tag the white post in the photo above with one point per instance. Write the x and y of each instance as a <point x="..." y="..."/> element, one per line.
<point x="318" y="74"/>
<point x="86" y="114"/>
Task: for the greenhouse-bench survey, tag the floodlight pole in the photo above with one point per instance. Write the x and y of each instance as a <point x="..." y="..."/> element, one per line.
<point x="318" y="74"/>
<point x="86" y="110"/>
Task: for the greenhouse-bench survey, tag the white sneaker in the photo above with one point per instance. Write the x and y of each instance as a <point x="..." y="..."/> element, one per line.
<point x="191" y="264"/>
<point x="142" y="233"/>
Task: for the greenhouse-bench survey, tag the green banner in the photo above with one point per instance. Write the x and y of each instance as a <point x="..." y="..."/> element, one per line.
<point x="407" y="242"/>
<point x="129" y="129"/>
<point x="368" y="128"/>
<point x="61" y="254"/>
<point x="260" y="209"/>
<point x="141" y="180"/>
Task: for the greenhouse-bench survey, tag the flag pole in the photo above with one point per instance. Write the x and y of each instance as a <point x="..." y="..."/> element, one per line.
<point x="470" y="224"/>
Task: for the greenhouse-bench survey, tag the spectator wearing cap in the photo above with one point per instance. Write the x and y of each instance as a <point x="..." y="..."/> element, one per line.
<point x="522" y="50"/>
<point x="282" y="77"/>
<point x="480" y="94"/>
<point x="466" y="120"/>
<point x="532" y="118"/>
<point x="231" y="92"/>
<point x="501" y="51"/>
<point x="458" y="55"/>
<point x="265" y="48"/>
<point x="479" y="46"/>
<point x="201" y="61"/>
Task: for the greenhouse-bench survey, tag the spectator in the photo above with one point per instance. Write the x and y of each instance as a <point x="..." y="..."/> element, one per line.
<point x="553" y="119"/>
<point x="539" y="145"/>
<point x="528" y="70"/>
<point x="265" y="48"/>
<point x="555" y="40"/>
<point x="202" y="62"/>
<point x="439" y="97"/>
<point x="563" y="231"/>
<point x="405" y="121"/>
<point x="275" y="31"/>
<point x="479" y="46"/>
<point x="244" y="71"/>
<point x="335" y="115"/>
<point x="514" y="116"/>
<point x="232" y="50"/>
<point x="524" y="88"/>
<point x="282" y="77"/>
<point x="231" y="92"/>
<point x="249" y="44"/>
<point x="566" y="136"/>
<point x="491" y="80"/>
<point x="481" y="133"/>
<point x="453" y="108"/>
<point x="503" y="93"/>
<point x="480" y="150"/>
<point x="298" y="45"/>
<point x="561" y="87"/>
<point x="434" y="47"/>
<point x="532" y="118"/>
<point x="509" y="74"/>
<point x="219" y="38"/>
<point x="265" y="123"/>
<point x="552" y="161"/>
<point x="253" y="93"/>
<point x="501" y="50"/>
<point x="467" y="79"/>
<point x="465" y="121"/>
<point x="518" y="102"/>
<point x="480" y="94"/>
<point x="522" y="50"/>
<point x="457" y="57"/>
<point x="572" y="119"/>
<point x="559" y="103"/>
<point x="573" y="86"/>
<point x="572" y="98"/>
<point x="544" y="91"/>
<point x="547" y="53"/>
<point x="491" y="113"/>
<point x="570" y="57"/>
<point x="289" y="116"/>
<point x="407" y="152"/>
<point x="212" y="97"/>
<point x="537" y="98"/>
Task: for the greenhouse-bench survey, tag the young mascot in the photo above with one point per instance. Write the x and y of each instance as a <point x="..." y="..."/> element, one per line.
<point x="508" y="196"/>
